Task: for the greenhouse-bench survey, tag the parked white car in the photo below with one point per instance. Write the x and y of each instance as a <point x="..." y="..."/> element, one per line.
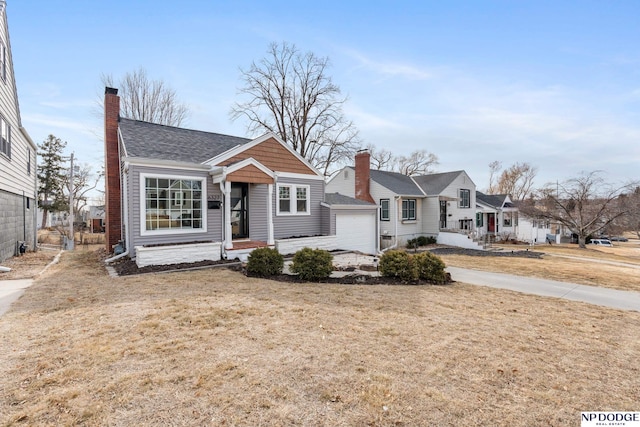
<point x="601" y="242"/>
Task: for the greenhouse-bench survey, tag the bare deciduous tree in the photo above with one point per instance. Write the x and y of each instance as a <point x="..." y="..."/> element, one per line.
<point x="380" y="159"/>
<point x="148" y="100"/>
<point x="290" y="94"/>
<point x="586" y="205"/>
<point x="517" y="180"/>
<point x="419" y="162"/>
<point x="84" y="181"/>
<point x="631" y="221"/>
<point x="494" y="168"/>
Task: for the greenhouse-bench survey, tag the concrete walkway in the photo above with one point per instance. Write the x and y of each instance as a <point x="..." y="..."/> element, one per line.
<point x="10" y="291"/>
<point x="624" y="300"/>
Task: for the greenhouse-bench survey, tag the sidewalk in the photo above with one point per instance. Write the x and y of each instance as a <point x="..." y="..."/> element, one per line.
<point x="10" y="291"/>
<point x="624" y="300"/>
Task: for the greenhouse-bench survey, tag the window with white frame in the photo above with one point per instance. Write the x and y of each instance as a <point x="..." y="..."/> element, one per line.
<point x="384" y="210"/>
<point x="293" y="199"/>
<point x="5" y="137"/>
<point x="3" y="61"/>
<point x="173" y="204"/>
<point x="465" y="198"/>
<point x="507" y="219"/>
<point x="28" y="161"/>
<point x="409" y="209"/>
<point x="479" y="219"/>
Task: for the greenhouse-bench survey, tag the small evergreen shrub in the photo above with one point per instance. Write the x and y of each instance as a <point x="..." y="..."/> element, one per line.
<point x="431" y="240"/>
<point x="265" y="262"/>
<point x="430" y="267"/>
<point x="312" y="264"/>
<point x="397" y="264"/>
<point x="421" y="241"/>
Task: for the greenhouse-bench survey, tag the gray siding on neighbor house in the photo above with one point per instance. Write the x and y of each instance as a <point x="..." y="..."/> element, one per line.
<point x="343" y="182"/>
<point x="18" y="168"/>
<point x="17" y="223"/>
<point x="299" y="225"/>
<point x="213" y="230"/>
<point x="258" y="221"/>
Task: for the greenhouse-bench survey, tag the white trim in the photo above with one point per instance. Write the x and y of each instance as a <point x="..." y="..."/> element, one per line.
<point x="228" y="233"/>
<point x="171" y="164"/>
<point x="293" y="199"/>
<point x="142" y="176"/>
<point x="240" y="148"/>
<point x="270" y="236"/>
<point x="292" y="175"/>
<point x="249" y="161"/>
<point x="349" y="207"/>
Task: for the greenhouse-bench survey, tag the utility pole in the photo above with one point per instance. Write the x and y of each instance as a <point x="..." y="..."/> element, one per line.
<point x="71" y="240"/>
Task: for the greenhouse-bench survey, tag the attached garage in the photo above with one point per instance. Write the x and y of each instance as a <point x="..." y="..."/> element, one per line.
<point x="354" y="223"/>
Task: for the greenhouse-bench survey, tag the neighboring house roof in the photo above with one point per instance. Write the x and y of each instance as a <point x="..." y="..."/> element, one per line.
<point x="435" y="183"/>
<point x="497" y="201"/>
<point x="400" y="184"/>
<point x="154" y="141"/>
<point x="341" y="199"/>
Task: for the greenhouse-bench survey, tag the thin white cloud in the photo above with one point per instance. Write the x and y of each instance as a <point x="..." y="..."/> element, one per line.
<point x="391" y="68"/>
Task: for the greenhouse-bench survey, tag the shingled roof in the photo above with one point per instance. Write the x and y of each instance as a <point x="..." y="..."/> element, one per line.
<point x="400" y="184"/>
<point x="154" y="141"/>
<point x="341" y="199"/>
<point x="493" y="200"/>
<point x="435" y="183"/>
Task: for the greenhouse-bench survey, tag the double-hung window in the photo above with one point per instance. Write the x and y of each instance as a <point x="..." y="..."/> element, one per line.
<point x="384" y="209"/>
<point x="3" y="61"/>
<point x="409" y="209"/>
<point x="293" y="199"/>
<point x="5" y="137"/>
<point x="465" y="198"/>
<point x="172" y="204"/>
<point x="507" y="219"/>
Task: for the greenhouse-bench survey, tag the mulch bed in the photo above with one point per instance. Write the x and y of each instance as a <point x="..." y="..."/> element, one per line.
<point x="128" y="267"/>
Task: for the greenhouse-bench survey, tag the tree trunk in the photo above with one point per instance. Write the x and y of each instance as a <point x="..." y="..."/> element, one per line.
<point x="582" y="241"/>
<point x="44" y="218"/>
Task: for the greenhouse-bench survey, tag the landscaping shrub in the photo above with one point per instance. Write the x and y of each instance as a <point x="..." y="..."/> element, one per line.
<point x="421" y="241"/>
<point x="397" y="264"/>
<point x="312" y="264"/>
<point x="265" y="262"/>
<point x="430" y="267"/>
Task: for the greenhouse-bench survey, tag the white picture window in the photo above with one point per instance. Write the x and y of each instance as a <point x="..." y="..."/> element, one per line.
<point x="172" y="204"/>
<point x="293" y="199"/>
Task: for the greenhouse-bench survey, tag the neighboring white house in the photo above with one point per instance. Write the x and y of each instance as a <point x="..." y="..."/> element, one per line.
<point x="18" y="204"/>
<point x="498" y="218"/>
<point x="428" y="205"/>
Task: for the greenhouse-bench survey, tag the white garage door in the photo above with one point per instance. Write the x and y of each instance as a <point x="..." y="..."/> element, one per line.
<point x="356" y="232"/>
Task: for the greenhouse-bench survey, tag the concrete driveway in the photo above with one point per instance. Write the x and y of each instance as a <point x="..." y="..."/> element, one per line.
<point x="11" y="290"/>
<point x="624" y="300"/>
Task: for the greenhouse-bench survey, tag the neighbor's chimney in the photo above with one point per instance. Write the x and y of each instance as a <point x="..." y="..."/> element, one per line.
<point x="113" y="213"/>
<point x="363" y="168"/>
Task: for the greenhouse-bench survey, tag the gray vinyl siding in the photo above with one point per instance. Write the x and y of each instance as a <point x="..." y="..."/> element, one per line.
<point x="258" y="222"/>
<point x="327" y="221"/>
<point x="16" y="184"/>
<point x="299" y="225"/>
<point x="213" y="232"/>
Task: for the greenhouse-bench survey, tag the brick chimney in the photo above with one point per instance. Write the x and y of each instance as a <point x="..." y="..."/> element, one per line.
<point x="113" y="213"/>
<point x="363" y="174"/>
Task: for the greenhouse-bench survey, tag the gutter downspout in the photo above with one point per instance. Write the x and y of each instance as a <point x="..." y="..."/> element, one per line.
<point x="125" y="222"/>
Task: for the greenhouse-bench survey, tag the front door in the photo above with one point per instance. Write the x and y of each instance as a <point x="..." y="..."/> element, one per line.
<point x="491" y="223"/>
<point x="239" y="210"/>
<point x="443" y="214"/>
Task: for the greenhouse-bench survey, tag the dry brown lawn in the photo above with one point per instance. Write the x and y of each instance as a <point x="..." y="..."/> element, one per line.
<point x="213" y="347"/>
<point x="560" y="265"/>
<point x="27" y="266"/>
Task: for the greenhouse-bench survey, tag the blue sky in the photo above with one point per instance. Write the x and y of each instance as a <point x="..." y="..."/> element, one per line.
<point x="553" y="83"/>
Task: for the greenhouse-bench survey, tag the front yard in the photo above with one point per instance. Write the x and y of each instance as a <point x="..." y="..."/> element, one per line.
<point x="213" y="347"/>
